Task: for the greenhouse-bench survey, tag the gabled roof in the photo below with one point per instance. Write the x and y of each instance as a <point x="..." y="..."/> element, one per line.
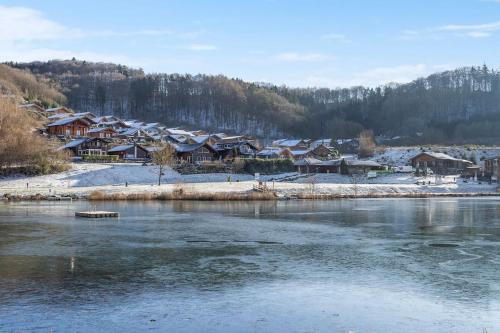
<point x="441" y="156"/>
<point x="178" y="131"/>
<point x="100" y="129"/>
<point x="186" y="148"/>
<point x="120" y="148"/>
<point x="199" y="138"/>
<point x="75" y="143"/>
<point x="368" y="163"/>
<point x="50" y="110"/>
<point x="268" y="151"/>
<point x="31" y="105"/>
<point x="287" y="143"/>
<point x="300" y="152"/>
<point x="69" y="120"/>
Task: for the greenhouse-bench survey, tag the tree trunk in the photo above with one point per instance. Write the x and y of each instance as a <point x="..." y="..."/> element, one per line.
<point x="159" y="175"/>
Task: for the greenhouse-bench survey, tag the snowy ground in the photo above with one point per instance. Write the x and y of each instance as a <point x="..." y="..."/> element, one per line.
<point x="84" y="178"/>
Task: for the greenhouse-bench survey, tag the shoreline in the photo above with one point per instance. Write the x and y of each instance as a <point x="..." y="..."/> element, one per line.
<point x="233" y="196"/>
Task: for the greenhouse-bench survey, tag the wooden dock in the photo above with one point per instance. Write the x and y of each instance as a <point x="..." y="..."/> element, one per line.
<point x="97" y="214"/>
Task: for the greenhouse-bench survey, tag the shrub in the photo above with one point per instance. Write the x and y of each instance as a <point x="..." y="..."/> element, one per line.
<point x="268" y="166"/>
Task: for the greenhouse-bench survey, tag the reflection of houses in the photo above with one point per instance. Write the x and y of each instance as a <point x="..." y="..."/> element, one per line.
<point x="439" y="163"/>
<point x="492" y="166"/>
<point x="195" y="153"/>
<point x="70" y="127"/>
<point x="132" y="152"/>
<point x="87" y="146"/>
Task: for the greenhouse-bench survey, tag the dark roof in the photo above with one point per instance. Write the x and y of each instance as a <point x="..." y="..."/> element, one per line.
<point x="186" y="148"/>
<point x="120" y="148"/>
<point x="68" y="120"/>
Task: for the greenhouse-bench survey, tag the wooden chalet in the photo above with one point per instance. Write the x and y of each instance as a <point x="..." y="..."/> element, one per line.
<point x="101" y="132"/>
<point x="439" y="163"/>
<point x="87" y="146"/>
<point x="70" y="127"/>
<point x="195" y="153"/>
<point x="492" y="167"/>
<point x="130" y="152"/>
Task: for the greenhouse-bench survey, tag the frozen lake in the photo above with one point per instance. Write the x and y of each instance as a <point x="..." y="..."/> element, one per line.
<point x="388" y="265"/>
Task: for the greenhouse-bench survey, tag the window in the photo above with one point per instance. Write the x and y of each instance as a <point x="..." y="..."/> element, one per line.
<point x="68" y="131"/>
<point x="78" y="132"/>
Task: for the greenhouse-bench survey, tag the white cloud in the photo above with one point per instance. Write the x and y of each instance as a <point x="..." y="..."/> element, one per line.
<point x="25" y="24"/>
<point x="301" y="57"/>
<point x="336" y="38"/>
<point x="461" y="30"/>
<point x="201" y="47"/>
<point x="374" y="77"/>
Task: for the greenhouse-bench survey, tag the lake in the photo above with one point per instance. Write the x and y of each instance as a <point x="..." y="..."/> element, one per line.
<point x="386" y="265"/>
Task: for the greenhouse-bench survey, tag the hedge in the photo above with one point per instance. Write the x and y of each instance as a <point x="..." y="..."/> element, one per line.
<point x="100" y="158"/>
<point x="268" y="166"/>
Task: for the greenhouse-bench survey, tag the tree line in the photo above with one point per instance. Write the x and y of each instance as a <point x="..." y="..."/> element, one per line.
<point x="449" y="107"/>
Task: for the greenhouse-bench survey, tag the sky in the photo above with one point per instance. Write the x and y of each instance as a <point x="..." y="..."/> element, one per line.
<point x="299" y="43"/>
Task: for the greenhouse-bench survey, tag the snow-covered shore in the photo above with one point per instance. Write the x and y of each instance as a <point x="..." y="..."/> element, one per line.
<point x="83" y="179"/>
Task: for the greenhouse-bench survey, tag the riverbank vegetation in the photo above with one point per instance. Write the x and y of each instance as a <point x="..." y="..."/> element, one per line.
<point x="22" y="148"/>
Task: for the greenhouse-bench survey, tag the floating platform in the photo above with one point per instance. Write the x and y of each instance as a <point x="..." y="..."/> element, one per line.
<point x="97" y="214"/>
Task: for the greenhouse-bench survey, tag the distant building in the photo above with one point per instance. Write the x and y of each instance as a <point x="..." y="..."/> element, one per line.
<point x="439" y="163"/>
<point x="293" y="144"/>
<point x="492" y="166"/>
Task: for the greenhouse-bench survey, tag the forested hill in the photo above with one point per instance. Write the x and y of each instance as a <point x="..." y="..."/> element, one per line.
<point x="454" y="106"/>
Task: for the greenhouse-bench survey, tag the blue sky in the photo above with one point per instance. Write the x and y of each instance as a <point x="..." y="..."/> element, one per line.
<point x="298" y="43"/>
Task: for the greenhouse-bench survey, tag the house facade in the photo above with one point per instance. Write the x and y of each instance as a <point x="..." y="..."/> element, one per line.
<point x="101" y="132"/>
<point x="130" y="152"/>
<point x="70" y="127"/>
<point x="195" y="153"/>
<point x="439" y="163"/>
<point x="492" y="166"/>
<point x="87" y="146"/>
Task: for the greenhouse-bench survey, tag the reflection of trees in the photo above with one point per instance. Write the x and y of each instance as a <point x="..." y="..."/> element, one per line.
<point x="210" y="245"/>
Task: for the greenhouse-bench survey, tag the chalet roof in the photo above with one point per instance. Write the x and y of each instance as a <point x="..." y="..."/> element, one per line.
<point x="68" y="120"/>
<point x="287" y="143"/>
<point x="308" y="161"/>
<point x="367" y="163"/>
<point x="74" y="143"/>
<point x="441" y="156"/>
<point x="178" y="131"/>
<point x="131" y="131"/>
<point x="325" y="142"/>
<point x="186" y="148"/>
<point x="120" y="148"/>
<point x="84" y="114"/>
<point x="268" y="151"/>
<point x="99" y="129"/>
<point x="178" y="138"/>
<point x="300" y="152"/>
<point x="200" y="138"/>
<point x="58" y="116"/>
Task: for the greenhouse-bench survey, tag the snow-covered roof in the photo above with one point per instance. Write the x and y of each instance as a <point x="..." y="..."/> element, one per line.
<point x="308" y="161"/>
<point x="442" y="156"/>
<point x="299" y="152"/>
<point x="287" y="143"/>
<point x="268" y="151"/>
<point x="178" y="131"/>
<point x="199" y="138"/>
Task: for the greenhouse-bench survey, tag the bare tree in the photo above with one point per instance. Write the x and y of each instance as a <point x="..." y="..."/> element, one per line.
<point x="366" y="144"/>
<point x="163" y="156"/>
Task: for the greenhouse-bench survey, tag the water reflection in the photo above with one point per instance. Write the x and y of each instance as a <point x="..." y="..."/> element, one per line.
<point x="443" y="251"/>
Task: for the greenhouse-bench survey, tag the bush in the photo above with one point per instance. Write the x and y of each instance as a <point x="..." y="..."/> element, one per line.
<point x="268" y="166"/>
<point x="100" y="158"/>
